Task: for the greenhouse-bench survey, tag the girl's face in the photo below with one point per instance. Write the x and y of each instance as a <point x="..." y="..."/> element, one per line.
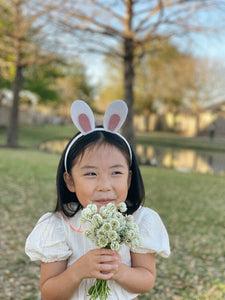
<point x="100" y="176"/>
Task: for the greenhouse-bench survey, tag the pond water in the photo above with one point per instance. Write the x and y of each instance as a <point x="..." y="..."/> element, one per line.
<point x="182" y="160"/>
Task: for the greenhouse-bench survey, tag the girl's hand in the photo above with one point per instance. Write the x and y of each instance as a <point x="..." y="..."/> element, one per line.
<point x="58" y="281"/>
<point x="140" y="277"/>
<point x="119" y="263"/>
<point x="98" y="263"/>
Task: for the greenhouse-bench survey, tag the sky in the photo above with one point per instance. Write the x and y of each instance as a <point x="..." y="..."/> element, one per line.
<point x="211" y="46"/>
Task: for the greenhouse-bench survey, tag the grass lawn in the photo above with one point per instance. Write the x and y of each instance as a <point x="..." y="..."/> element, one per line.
<point x="191" y="205"/>
<point x="33" y="136"/>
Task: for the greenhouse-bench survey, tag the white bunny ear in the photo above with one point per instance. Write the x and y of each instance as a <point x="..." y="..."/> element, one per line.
<point x="115" y="115"/>
<point x="82" y="116"/>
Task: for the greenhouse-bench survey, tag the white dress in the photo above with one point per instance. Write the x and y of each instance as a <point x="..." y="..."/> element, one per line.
<point x="53" y="239"/>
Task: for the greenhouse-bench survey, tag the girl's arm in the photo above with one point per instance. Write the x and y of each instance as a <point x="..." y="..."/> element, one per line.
<point x="139" y="278"/>
<point x="59" y="282"/>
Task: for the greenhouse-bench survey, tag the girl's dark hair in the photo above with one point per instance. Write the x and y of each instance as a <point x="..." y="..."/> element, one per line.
<point x="67" y="201"/>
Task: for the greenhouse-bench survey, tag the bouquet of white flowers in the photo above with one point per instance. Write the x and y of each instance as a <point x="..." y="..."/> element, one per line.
<point x="109" y="229"/>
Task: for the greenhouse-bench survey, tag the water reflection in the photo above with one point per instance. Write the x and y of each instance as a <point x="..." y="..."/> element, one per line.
<point x="181" y="160"/>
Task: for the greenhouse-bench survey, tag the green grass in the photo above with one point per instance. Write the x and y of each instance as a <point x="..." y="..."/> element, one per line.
<point x="193" y="209"/>
<point x="27" y="190"/>
<point x="191" y="205"/>
<point x="33" y="136"/>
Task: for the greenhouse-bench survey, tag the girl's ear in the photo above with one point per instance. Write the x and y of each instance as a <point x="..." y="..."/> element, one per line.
<point x="69" y="182"/>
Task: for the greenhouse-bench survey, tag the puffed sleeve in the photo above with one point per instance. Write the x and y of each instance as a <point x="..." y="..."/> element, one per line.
<point x="47" y="241"/>
<point x="154" y="237"/>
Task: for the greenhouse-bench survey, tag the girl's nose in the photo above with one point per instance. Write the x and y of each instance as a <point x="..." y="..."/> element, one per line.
<point x="104" y="184"/>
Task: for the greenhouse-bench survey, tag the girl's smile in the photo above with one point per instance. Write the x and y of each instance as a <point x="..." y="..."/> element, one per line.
<point x="100" y="176"/>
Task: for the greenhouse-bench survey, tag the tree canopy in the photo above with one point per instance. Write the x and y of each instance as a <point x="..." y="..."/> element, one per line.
<point x="124" y="29"/>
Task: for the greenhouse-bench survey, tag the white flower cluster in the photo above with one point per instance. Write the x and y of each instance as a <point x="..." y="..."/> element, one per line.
<point x="110" y="228"/>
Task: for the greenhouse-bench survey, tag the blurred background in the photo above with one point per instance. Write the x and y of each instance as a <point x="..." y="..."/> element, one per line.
<point x="166" y="60"/>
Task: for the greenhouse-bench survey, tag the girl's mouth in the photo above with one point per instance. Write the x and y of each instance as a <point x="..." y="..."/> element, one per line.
<point x="103" y="201"/>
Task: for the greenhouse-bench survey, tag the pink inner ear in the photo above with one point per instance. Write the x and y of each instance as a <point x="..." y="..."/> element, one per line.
<point x="84" y="122"/>
<point x="113" y="122"/>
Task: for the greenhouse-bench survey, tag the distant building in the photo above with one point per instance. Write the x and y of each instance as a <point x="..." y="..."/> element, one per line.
<point x="185" y="121"/>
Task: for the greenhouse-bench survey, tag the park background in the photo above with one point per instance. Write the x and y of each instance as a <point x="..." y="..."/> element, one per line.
<point x="166" y="60"/>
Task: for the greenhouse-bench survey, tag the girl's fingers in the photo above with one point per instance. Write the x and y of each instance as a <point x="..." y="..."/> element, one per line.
<point x="104" y="251"/>
<point x="101" y="263"/>
<point x="104" y="255"/>
<point x="105" y="276"/>
<point x="108" y="266"/>
<point x="108" y="259"/>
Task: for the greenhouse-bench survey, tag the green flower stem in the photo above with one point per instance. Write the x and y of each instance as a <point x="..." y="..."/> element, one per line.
<point x="99" y="289"/>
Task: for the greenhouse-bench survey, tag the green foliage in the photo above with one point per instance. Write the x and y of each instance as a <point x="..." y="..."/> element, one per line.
<point x="4" y="83"/>
<point x="59" y="82"/>
<point x="8" y="37"/>
<point x="56" y="82"/>
<point x="77" y="81"/>
<point x="160" y="77"/>
<point x="41" y="81"/>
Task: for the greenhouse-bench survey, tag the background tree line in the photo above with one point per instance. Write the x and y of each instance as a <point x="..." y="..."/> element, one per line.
<point x="37" y="37"/>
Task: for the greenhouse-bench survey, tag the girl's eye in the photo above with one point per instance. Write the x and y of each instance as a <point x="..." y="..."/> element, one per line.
<point x="116" y="173"/>
<point x="90" y="174"/>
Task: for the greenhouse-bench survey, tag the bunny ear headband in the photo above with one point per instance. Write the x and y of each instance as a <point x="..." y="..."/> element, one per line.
<point x="83" y="119"/>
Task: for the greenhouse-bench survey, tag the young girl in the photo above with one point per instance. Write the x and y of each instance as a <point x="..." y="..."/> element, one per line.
<point x="97" y="167"/>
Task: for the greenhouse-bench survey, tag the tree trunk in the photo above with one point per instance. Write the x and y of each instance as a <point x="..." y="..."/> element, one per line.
<point x="128" y="60"/>
<point x="129" y="74"/>
<point x="13" y="129"/>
